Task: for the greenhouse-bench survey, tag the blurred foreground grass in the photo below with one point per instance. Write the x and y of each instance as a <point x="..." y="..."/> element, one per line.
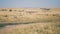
<point x="35" y="28"/>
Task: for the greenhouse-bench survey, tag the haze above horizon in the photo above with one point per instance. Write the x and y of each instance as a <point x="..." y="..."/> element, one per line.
<point x="29" y="3"/>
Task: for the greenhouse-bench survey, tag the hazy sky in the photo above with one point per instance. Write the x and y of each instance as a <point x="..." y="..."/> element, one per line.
<point x="29" y="3"/>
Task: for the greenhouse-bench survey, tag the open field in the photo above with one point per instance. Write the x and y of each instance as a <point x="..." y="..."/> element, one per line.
<point x="29" y="20"/>
<point x="18" y="15"/>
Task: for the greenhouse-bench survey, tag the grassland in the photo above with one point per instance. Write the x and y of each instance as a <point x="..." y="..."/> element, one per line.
<point x="37" y="28"/>
<point x="29" y="20"/>
<point x="18" y="15"/>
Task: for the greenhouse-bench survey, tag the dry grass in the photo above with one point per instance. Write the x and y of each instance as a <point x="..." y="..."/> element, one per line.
<point x="29" y="21"/>
<point x="29" y="15"/>
<point x="37" y="28"/>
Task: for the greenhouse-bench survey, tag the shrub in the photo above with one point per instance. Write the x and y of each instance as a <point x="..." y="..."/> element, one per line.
<point x="3" y="10"/>
<point x="10" y="10"/>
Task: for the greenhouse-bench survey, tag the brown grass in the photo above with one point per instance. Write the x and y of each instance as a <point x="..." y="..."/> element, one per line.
<point x="30" y="15"/>
<point x="29" y="21"/>
<point x="37" y="28"/>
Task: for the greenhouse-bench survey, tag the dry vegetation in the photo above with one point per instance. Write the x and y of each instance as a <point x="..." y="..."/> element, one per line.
<point x="29" y="20"/>
<point x="37" y="28"/>
<point x="8" y="15"/>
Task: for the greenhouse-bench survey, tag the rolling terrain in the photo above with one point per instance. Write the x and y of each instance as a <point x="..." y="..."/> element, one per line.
<point x="23" y="15"/>
<point x="29" y="20"/>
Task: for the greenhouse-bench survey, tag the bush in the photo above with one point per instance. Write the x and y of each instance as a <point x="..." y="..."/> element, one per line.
<point x="10" y="10"/>
<point x="3" y="10"/>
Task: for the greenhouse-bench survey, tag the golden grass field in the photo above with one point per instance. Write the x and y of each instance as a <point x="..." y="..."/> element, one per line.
<point x="29" y="15"/>
<point x="29" y="20"/>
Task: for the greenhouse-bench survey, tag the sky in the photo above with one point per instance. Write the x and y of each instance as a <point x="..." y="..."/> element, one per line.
<point x="29" y="3"/>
